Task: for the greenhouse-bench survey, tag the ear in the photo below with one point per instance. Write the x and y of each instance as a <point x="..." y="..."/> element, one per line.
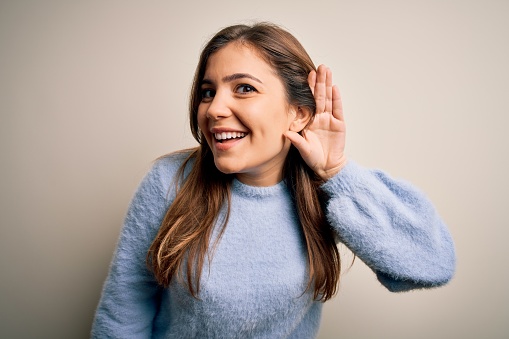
<point x="301" y="117"/>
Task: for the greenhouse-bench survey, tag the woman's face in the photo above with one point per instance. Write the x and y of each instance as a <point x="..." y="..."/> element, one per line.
<point x="243" y="115"/>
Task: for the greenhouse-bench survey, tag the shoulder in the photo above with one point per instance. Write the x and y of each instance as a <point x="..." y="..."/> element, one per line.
<point x="161" y="178"/>
<point x="167" y="166"/>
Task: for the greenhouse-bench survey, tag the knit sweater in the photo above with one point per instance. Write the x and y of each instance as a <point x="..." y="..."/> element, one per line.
<point x="254" y="285"/>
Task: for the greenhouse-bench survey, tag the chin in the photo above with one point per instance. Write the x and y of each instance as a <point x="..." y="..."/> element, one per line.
<point x="226" y="168"/>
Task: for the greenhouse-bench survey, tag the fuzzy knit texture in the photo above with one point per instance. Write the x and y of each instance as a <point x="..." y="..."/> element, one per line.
<point x="253" y="286"/>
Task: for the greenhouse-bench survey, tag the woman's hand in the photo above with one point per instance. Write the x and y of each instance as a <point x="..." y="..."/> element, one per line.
<point x="322" y="143"/>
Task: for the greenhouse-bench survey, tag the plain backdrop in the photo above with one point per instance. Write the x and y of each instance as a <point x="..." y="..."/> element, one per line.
<point x="91" y="92"/>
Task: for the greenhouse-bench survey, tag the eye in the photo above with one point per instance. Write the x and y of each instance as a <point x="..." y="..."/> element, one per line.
<point x="207" y="93"/>
<point x="244" y="89"/>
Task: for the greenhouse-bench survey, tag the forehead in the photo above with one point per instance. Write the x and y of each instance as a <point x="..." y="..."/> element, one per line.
<point x="237" y="58"/>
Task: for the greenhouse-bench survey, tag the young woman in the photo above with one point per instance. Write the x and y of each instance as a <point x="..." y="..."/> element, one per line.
<point x="237" y="237"/>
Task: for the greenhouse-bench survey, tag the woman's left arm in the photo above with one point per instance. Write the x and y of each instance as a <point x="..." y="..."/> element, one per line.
<point x="388" y="224"/>
<point x="391" y="226"/>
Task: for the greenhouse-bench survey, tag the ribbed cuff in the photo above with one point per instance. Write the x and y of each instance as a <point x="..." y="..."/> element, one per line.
<point x="345" y="180"/>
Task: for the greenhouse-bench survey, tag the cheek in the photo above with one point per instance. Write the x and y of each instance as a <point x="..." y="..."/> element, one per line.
<point x="278" y="123"/>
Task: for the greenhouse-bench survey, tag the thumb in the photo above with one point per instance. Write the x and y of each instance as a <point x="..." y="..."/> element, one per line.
<point x="298" y="141"/>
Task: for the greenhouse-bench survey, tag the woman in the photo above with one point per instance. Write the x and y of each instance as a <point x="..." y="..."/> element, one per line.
<point x="240" y="233"/>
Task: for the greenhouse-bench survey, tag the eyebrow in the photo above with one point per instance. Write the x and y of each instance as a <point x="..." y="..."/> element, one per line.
<point x="233" y="77"/>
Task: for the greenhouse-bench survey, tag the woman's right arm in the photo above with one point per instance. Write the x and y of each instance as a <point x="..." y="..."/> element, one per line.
<point x="130" y="295"/>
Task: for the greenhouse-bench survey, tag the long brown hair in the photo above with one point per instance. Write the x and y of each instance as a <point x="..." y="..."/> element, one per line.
<point x="182" y="242"/>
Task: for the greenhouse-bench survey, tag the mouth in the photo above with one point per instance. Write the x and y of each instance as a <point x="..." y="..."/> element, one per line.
<point x="229" y="136"/>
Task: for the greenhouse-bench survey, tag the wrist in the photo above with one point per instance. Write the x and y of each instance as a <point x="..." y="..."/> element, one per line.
<point x="329" y="173"/>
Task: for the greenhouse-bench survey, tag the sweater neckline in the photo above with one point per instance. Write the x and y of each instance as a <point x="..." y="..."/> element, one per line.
<point x="258" y="191"/>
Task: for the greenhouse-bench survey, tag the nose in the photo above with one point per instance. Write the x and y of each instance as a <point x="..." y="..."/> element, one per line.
<point x="219" y="107"/>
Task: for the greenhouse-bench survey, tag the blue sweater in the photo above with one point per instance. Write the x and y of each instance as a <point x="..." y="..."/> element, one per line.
<point x="253" y="286"/>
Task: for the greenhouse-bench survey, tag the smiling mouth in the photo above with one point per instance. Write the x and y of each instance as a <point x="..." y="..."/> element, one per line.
<point x="226" y="136"/>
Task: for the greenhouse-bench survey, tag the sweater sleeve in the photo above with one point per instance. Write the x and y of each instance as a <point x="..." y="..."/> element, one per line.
<point x="130" y="295"/>
<point x="390" y="226"/>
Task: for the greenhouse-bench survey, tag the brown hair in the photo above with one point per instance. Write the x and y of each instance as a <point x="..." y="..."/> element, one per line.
<point x="183" y="238"/>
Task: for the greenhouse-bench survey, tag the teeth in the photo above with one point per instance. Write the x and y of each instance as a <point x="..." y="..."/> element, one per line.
<point x="229" y="135"/>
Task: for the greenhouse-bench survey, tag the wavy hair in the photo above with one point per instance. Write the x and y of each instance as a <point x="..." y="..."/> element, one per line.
<point x="182" y="243"/>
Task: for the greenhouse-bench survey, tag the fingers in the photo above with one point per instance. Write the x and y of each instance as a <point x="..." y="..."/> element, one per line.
<point x="312" y="81"/>
<point x="320" y="89"/>
<point x="299" y="142"/>
<point x="320" y="83"/>
<point x="326" y="95"/>
<point x="328" y="90"/>
<point x="337" y="104"/>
